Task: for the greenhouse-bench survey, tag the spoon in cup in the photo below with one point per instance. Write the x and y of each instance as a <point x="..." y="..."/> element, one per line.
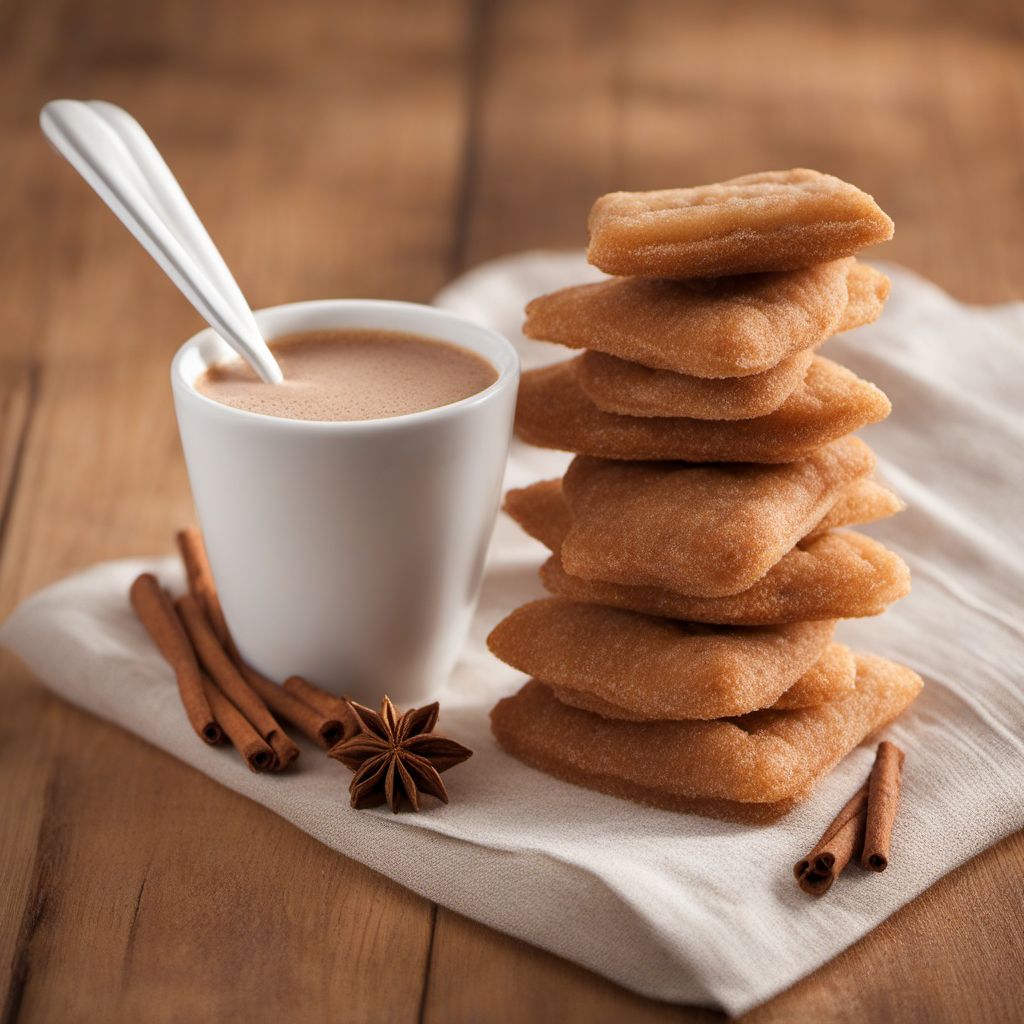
<point x="110" y="150"/>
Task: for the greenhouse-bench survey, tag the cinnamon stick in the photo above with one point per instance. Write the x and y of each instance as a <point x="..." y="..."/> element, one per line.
<point x="320" y="727"/>
<point x="225" y="674"/>
<point x="326" y="703"/>
<point x="246" y="740"/>
<point x="883" y="799"/>
<point x="157" y="615"/>
<point x="284" y="749"/>
<point x="202" y="587"/>
<point x="841" y="842"/>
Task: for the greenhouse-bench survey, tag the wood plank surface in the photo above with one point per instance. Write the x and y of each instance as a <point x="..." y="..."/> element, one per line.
<point x="375" y="148"/>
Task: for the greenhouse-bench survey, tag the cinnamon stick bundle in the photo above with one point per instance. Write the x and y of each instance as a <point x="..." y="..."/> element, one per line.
<point x="230" y="697"/>
<point x="326" y="703"/>
<point x="840" y="844"/>
<point x="883" y="799"/>
<point x="258" y="754"/>
<point x="861" y="830"/>
<point x="203" y="589"/>
<point x="321" y="727"/>
<point x="157" y="615"/>
<point x="225" y="674"/>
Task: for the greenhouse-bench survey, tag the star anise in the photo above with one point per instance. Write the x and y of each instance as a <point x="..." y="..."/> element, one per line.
<point x="396" y="757"/>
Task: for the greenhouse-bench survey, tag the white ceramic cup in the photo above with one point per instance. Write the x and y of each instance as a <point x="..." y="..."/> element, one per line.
<point x="349" y="553"/>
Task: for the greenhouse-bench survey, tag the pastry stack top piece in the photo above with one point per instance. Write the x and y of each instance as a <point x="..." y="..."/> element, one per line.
<point x="698" y="564"/>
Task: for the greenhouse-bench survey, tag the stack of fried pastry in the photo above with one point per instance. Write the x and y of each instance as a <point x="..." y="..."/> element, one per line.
<point x="699" y="556"/>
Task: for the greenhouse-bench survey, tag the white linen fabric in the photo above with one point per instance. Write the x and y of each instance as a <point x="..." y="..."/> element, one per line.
<point x="674" y="906"/>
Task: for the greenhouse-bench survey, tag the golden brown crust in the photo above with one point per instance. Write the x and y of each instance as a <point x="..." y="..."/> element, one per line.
<point x="654" y="667"/>
<point x="764" y="757"/>
<point x="554" y="412"/>
<point x="541" y="511"/>
<point x="838" y="575"/>
<point x="863" y="501"/>
<point x="774" y="220"/>
<point x="626" y="524"/>
<point x="831" y="677"/>
<point x="728" y="327"/>
<point x="868" y="289"/>
<point x="629" y="389"/>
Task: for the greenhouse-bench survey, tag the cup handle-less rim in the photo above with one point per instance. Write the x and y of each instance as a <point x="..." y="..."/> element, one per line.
<point x="189" y="361"/>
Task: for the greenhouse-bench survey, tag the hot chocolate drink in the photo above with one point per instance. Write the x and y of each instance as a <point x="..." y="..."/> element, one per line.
<point x="352" y="374"/>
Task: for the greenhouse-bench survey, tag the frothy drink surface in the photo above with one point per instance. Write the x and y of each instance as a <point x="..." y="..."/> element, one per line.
<point x="352" y="374"/>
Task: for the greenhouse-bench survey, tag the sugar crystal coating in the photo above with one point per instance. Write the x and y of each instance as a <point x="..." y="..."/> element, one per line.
<point x="831" y="677"/>
<point x="841" y="575"/>
<point x="709" y="531"/>
<point x="868" y="289"/>
<point x="554" y="412"/>
<point x="863" y="501"/>
<point x="540" y="509"/>
<point x="654" y="667"/>
<point x="630" y="389"/>
<point x="838" y="575"/>
<point x="713" y="467"/>
<point x="774" y="220"/>
<point x="728" y="327"/>
<point x="764" y="757"/>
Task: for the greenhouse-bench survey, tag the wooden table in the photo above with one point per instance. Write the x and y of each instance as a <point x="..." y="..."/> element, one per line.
<point x="376" y="149"/>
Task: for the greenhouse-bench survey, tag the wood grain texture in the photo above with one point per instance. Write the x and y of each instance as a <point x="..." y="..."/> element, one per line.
<point x="375" y="148"/>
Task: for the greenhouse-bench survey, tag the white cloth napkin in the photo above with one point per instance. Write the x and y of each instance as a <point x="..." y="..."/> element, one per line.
<point x="673" y="906"/>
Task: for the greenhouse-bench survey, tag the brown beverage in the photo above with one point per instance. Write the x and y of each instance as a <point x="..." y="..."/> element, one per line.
<point x="350" y="373"/>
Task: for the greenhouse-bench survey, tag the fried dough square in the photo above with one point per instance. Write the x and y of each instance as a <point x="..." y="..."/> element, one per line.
<point x="831" y="677"/>
<point x="766" y="757"/>
<point x="629" y="389"/>
<point x="553" y="411"/>
<point x="837" y="575"/>
<point x="657" y="668"/>
<point x="774" y="220"/>
<point x="727" y="327"/>
<point x="541" y="511"/>
<point x="842" y="575"/>
<point x="709" y="531"/>
<point x="723" y="327"/>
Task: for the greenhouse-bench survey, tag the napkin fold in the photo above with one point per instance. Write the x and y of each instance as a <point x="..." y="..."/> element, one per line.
<point x="637" y="894"/>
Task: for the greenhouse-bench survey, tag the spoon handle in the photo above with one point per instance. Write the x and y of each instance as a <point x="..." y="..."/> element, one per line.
<point x="114" y="155"/>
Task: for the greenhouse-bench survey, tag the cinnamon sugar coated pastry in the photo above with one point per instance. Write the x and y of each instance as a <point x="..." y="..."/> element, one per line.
<point x="863" y="501"/>
<point x="841" y="575"/>
<point x="686" y="659"/>
<point x="831" y="677"/>
<point x="868" y="289"/>
<point x="709" y="531"/>
<point x="541" y="511"/>
<point x="553" y="411"/>
<point x="774" y="220"/>
<point x="629" y="389"/>
<point x="657" y="668"/>
<point x="766" y="757"/>
<point x="730" y="327"/>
